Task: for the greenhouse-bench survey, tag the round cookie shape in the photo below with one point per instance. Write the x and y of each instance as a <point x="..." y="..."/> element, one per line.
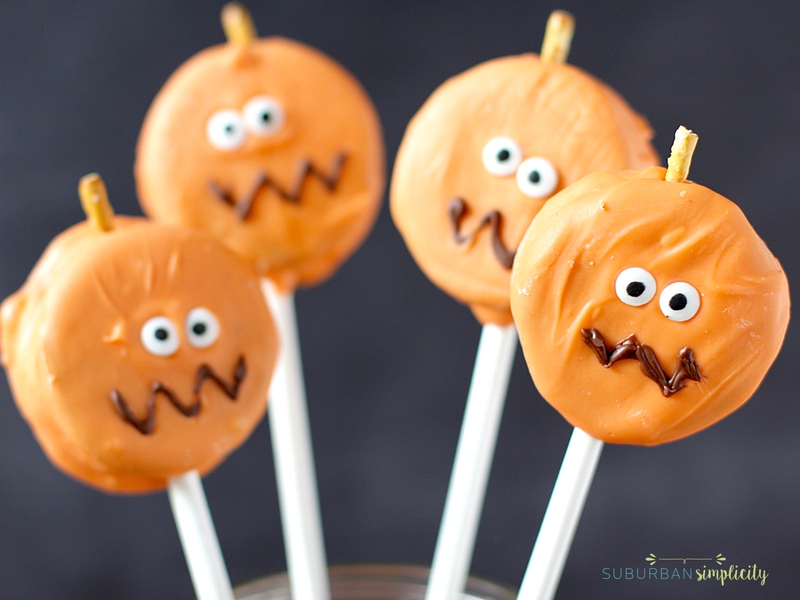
<point x="270" y="146"/>
<point x="138" y="354"/>
<point x="484" y="154"/>
<point x="647" y="309"/>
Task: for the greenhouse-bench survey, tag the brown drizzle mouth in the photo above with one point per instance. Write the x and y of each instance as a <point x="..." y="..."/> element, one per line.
<point x="145" y="425"/>
<point x="305" y="169"/>
<point x="630" y="347"/>
<point x="457" y="208"/>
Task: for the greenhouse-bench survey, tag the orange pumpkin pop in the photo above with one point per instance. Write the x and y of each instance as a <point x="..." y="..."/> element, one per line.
<point x="648" y="309"/>
<point x="270" y="146"/>
<point x="137" y="351"/>
<point x="486" y="151"/>
<point x="275" y="149"/>
<point x="476" y="164"/>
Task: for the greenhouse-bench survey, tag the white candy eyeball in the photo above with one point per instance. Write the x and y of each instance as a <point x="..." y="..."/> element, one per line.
<point x="679" y="301"/>
<point x="501" y="156"/>
<point x="160" y="336"/>
<point x="202" y="327"/>
<point x="537" y="177"/>
<point x="225" y="130"/>
<point x="263" y="115"/>
<point x="635" y="286"/>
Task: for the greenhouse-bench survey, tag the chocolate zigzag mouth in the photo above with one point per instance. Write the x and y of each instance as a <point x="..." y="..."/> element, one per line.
<point x="458" y="207"/>
<point x="630" y="347"/>
<point x="305" y="169"/>
<point x="145" y="425"/>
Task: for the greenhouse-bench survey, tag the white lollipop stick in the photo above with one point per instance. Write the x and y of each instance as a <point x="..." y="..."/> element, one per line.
<point x="561" y="518"/>
<point x="487" y="394"/>
<point x="294" y="459"/>
<point x="198" y="538"/>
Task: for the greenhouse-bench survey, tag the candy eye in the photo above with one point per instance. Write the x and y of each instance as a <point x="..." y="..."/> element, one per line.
<point x="501" y="156"/>
<point x="202" y="327"/>
<point x="635" y="286"/>
<point x="537" y="177"/>
<point x="225" y="130"/>
<point x="263" y="115"/>
<point x="679" y="301"/>
<point x="160" y="336"/>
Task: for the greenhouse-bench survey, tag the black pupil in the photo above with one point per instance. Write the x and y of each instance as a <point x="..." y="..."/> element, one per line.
<point x="534" y="177"/>
<point x="678" y="302"/>
<point x="161" y="334"/>
<point x="229" y="128"/>
<point x="199" y="328"/>
<point x="635" y="289"/>
<point x="266" y="117"/>
<point x="503" y="155"/>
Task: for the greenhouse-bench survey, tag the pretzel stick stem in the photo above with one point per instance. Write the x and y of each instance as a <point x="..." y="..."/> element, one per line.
<point x="558" y="37"/>
<point x="680" y="157"/>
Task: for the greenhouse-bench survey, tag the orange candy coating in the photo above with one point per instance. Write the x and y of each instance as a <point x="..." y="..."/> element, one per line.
<point x="551" y="110"/>
<point x="72" y="334"/>
<point x="564" y="281"/>
<point x="325" y="119"/>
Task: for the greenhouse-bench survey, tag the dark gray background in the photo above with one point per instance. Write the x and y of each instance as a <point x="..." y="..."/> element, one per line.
<point x="387" y="355"/>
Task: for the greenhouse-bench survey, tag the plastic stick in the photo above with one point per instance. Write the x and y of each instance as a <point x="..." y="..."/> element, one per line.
<point x="476" y="444"/>
<point x="561" y="518"/>
<point x="198" y="538"/>
<point x="294" y="459"/>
